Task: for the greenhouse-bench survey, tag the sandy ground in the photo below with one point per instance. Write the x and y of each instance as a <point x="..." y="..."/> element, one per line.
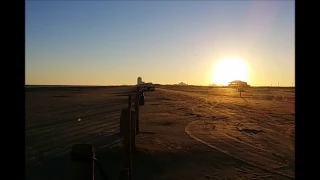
<point x="186" y="132"/>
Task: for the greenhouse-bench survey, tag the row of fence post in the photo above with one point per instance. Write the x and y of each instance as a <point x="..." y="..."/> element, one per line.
<point x="82" y="155"/>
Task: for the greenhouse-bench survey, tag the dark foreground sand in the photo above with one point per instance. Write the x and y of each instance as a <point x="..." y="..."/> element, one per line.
<point x="186" y="132"/>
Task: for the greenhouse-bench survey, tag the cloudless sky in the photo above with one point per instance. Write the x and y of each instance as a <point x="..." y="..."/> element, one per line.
<point x="166" y="42"/>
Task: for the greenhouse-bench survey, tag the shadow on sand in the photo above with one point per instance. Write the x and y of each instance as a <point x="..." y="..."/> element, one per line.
<point x="59" y="167"/>
<point x="146" y="165"/>
<point x="244" y="99"/>
<point x="149" y="165"/>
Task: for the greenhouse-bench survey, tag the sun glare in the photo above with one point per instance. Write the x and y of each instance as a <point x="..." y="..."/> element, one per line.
<point x="229" y="69"/>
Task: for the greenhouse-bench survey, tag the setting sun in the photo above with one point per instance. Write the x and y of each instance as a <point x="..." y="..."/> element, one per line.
<point x="229" y="69"/>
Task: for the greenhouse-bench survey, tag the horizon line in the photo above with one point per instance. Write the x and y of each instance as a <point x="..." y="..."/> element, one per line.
<point x="153" y="83"/>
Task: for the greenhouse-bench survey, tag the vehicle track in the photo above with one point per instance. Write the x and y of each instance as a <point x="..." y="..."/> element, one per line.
<point x="242" y="113"/>
<point x="256" y="155"/>
<point x="53" y="144"/>
<point x="62" y="132"/>
<point x="75" y="110"/>
<point x="70" y="119"/>
<point x="56" y="139"/>
<point x="194" y="125"/>
<point x="66" y="98"/>
<point x="99" y="142"/>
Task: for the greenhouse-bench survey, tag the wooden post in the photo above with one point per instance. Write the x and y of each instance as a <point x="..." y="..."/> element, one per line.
<point x="82" y="162"/>
<point x="123" y="118"/>
<point x="124" y="174"/>
<point x="137" y="113"/>
<point x="128" y="139"/>
<point x="125" y="127"/>
<point x="129" y="105"/>
<point x="133" y="130"/>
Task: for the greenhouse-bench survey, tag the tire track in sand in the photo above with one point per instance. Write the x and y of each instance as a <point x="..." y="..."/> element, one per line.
<point x="242" y="114"/>
<point x="251" y="153"/>
<point x="204" y="108"/>
<point x="195" y="125"/>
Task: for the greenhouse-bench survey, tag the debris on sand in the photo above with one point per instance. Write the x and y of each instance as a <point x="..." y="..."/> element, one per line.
<point x="250" y="131"/>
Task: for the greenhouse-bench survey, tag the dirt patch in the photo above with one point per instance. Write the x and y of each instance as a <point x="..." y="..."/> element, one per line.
<point x="165" y="123"/>
<point x="61" y="96"/>
<point x="155" y="104"/>
<point x="219" y="117"/>
<point x="251" y="131"/>
<point x="146" y="132"/>
<point x="164" y="99"/>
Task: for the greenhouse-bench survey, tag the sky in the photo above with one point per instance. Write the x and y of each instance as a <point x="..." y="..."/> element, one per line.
<point x="165" y="42"/>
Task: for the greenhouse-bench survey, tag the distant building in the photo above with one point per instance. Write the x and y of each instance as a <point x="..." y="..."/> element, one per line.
<point x="139" y="81"/>
<point x="238" y="83"/>
<point x="182" y="84"/>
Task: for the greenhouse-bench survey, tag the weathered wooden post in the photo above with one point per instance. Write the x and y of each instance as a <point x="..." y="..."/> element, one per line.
<point x="133" y="130"/>
<point x="125" y="129"/>
<point x="82" y="162"/>
<point x="124" y="174"/>
<point x="240" y="89"/>
<point x="127" y="139"/>
<point x="137" y="112"/>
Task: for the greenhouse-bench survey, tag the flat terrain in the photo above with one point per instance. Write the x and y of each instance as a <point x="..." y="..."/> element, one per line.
<point x="186" y="132"/>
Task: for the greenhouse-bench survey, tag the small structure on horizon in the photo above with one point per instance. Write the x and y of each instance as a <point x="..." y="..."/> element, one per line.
<point x="139" y="81"/>
<point x="238" y="83"/>
<point x="182" y="84"/>
<point x="213" y="85"/>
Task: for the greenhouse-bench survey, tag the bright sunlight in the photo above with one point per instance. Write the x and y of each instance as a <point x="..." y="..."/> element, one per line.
<point x="229" y="69"/>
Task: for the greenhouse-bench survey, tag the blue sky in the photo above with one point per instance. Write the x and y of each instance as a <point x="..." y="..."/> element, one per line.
<point x="114" y="42"/>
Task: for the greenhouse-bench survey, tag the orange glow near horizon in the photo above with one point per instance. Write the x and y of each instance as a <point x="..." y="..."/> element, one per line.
<point x="229" y="69"/>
